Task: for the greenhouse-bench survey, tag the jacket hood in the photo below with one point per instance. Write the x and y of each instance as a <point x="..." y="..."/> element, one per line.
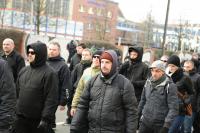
<point x="139" y="50"/>
<point x="40" y="50"/>
<point x="114" y="63"/>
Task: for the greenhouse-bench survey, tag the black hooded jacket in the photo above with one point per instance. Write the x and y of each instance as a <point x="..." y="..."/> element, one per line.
<point x="7" y="96"/>
<point x="38" y="87"/>
<point x="107" y="105"/>
<point x="75" y="59"/>
<point x="136" y="71"/>
<point x="65" y="84"/>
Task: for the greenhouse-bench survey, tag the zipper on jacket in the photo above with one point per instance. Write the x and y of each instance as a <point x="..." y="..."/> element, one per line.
<point x="104" y="90"/>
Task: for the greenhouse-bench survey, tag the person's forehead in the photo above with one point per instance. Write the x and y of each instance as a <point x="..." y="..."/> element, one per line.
<point x="156" y="69"/>
<point x="30" y="49"/>
<point x="85" y="53"/>
<point x="105" y="60"/>
<point x="7" y="41"/>
<point x="133" y="52"/>
<point x="164" y="58"/>
<point x="189" y="64"/>
<point x="172" y="65"/>
<point x="51" y="46"/>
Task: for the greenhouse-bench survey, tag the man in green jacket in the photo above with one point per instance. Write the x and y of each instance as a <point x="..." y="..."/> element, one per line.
<point x="87" y="75"/>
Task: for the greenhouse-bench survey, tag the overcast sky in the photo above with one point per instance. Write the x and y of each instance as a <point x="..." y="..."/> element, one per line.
<point x="136" y="10"/>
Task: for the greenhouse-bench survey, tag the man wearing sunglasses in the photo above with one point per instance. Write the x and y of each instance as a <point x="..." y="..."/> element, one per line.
<point x="37" y="87"/>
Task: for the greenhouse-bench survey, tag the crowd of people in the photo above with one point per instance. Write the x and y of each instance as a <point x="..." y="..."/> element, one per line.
<point x="102" y="94"/>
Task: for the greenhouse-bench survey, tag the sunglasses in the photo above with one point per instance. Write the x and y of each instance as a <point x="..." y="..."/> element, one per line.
<point x="163" y="60"/>
<point x="31" y="52"/>
<point x="96" y="56"/>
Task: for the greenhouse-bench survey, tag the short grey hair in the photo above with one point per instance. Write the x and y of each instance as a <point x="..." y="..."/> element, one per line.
<point x="55" y="43"/>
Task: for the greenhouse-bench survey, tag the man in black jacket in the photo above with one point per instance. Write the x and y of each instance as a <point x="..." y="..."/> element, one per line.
<point x="37" y="85"/>
<point x="194" y="120"/>
<point x="14" y="59"/>
<point x="135" y="70"/>
<point x="62" y="70"/>
<point x="108" y="103"/>
<point x="76" y="58"/>
<point x="185" y="90"/>
<point x="86" y="61"/>
<point x="7" y="98"/>
<point x="71" y="47"/>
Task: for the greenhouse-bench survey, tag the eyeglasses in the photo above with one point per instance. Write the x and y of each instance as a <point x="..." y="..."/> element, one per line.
<point x="31" y="52"/>
<point x="163" y="60"/>
<point x="96" y="56"/>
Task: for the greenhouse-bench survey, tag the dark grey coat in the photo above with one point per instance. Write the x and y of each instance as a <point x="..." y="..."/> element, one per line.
<point x="107" y="105"/>
<point x="159" y="105"/>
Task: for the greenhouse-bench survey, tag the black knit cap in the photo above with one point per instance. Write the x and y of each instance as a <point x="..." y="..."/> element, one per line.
<point x="98" y="52"/>
<point x="175" y="60"/>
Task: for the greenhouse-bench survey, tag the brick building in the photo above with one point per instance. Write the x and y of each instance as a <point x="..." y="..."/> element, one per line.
<point x="99" y="18"/>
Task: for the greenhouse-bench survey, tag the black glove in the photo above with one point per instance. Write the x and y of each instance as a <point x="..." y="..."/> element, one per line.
<point x="43" y="125"/>
<point x="164" y="130"/>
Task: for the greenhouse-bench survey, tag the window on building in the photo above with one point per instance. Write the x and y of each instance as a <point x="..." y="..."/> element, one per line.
<point x="99" y="12"/>
<point x="17" y="4"/>
<point x="108" y="28"/>
<point x="81" y="8"/>
<point x="26" y="6"/>
<point x="109" y="14"/>
<point x="98" y="27"/>
<point x="89" y="26"/>
<point x="90" y="10"/>
<point x="2" y="4"/>
<point x="65" y="10"/>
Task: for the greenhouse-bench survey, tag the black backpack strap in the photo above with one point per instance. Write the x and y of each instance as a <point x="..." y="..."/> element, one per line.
<point x="166" y="91"/>
<point x="92" y="81"/>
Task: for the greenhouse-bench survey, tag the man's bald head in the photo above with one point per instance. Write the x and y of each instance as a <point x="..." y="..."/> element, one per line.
<point x="8" y="46"/>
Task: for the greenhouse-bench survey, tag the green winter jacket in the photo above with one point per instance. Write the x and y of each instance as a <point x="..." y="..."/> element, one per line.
<point x="87" y="75"/>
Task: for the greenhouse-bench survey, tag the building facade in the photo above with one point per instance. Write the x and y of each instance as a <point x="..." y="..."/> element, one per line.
<point x="99" y="18"/>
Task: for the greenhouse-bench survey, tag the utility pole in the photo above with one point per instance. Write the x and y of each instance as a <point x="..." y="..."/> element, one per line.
<point x="165" y="28"/>
<point x="31" y="19"/>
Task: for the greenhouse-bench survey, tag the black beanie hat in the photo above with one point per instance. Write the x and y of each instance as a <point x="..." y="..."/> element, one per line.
<point x="175" y="60"/>
<point x="98" y="52"/>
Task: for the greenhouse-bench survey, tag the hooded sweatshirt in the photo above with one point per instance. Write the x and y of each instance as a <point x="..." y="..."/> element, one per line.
<point x="37" y="85"/>
<point x="136" y="71"/>
<point x="114" y="64"/>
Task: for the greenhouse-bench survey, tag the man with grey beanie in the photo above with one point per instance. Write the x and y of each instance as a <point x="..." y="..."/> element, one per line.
<point x="159" y="101"/>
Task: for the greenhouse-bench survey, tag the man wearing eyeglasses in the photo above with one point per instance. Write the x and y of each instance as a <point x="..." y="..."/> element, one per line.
<point x="37" y="85"/>
<point x="87" y="75"/>
<point x="159" y="101"/>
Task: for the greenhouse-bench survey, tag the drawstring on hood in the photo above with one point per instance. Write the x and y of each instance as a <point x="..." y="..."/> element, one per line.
<point x="40" y="50"/>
